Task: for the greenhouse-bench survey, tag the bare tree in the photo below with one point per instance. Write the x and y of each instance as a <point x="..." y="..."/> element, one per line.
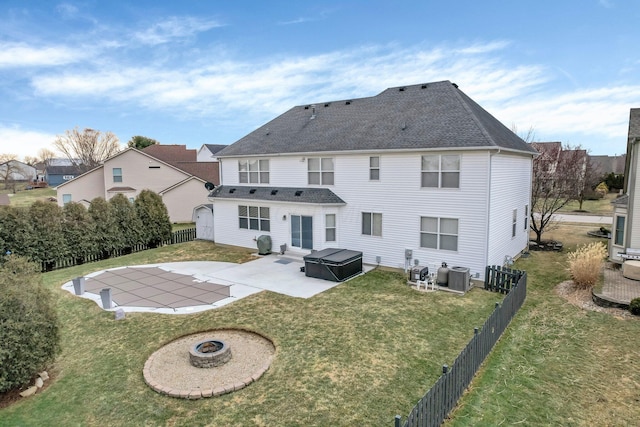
<point x="11" y="171"/>
<point x="558" y="178"/>
<point x="30" y="160"/>
<point x="88" y="148"/>
<point x="592" y="177"/>
<point x="45" y="156"/>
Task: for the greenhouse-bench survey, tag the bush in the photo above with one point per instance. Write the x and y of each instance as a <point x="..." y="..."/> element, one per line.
<point x="29" y="333"/>
<point x="634" y="306"/>
<point x="602" y="190"/>
<point x="156" y="225"/>
<point x="585" y="264"/>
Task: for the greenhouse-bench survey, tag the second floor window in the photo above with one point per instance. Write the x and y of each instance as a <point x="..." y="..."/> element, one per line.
<point x="320" y="170"/>
<point x="374" y="168"/>
<point x="441" y="171"/>
<point x="117" y="174"/>
<point x="253" y="171"/>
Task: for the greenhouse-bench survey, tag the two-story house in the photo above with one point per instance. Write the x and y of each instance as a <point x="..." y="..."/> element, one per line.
<point x="169" y="170"/>
<point x="417" y="172"/>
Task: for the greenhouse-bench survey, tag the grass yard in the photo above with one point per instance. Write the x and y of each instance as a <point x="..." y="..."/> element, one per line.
<point x="26" y="198"/>
<point x="596" y="207"/>
<point x="356" y="355"/>
<point x="557" y="364"/>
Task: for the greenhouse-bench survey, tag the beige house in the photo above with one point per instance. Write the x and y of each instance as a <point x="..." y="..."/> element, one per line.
<point x="169" y="170"/>
<point x="626" y="208"/>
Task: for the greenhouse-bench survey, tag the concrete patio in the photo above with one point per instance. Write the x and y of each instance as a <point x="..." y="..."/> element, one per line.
<point x="617" y="290"/>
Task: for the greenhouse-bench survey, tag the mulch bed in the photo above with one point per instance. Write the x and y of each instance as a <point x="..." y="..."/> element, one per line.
<point x="10" y="397"/>
<point x="545" y="245"/>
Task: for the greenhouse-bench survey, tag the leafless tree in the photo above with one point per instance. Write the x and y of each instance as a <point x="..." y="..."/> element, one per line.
<point x="592" y="177"/>
<point x="559" y="176"/>
<point x="30" y="160"/>
<point x="87" y="148"/>
<point x="11" y="171"/>
<point x="45" y="156"/>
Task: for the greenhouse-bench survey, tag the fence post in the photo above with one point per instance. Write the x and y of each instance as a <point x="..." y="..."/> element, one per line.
<point x="397" y="421"/>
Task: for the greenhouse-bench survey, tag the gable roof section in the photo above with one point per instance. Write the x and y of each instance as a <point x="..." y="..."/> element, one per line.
<point x="427" y="116"/>
<point x="207" y="171"/>
<point x="322" y="196"/>
<point x="64" y="170"/>
<point x="215" y="148"/>
<point x="171" y="153"/>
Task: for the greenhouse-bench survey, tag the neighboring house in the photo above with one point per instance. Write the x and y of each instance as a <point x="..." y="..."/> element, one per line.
<point x="626" y="208"/>
<point x="609" y="164"/>
<point x="15" y="170"/>
<point x="56" y="175"/>
<point x="207" y="153"/>
<point x="178" y="179"/>
<point x="415" y="174"/>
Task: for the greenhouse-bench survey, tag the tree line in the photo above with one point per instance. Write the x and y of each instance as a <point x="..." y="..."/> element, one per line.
<point x="45" y="232"/>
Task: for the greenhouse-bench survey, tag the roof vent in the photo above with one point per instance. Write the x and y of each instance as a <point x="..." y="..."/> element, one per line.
<point x="231" y="191"/>
<point x="306" y="107"/>
<point x="274" y="192"/>
<point x="424" y="86"/>
<point x="402" y="89"/>
<point x="327" y="104"/>
<point x="298" y="193"/>
<point x="313" y="112"/>
<point x="253" y="190"/>
<point x="348" y="102"/>
<point x="455" y="85"/>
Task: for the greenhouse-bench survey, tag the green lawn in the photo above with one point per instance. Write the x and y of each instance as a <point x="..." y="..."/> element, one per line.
<point x="25" y="198"/>
<point x="356" y="355"/>
<point x="597" y="207"/>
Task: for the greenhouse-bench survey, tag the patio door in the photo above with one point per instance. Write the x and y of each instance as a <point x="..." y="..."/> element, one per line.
<point x="302" y="231"/>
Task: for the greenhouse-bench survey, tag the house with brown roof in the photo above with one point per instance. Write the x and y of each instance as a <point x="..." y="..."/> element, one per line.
<point x="169" y="170"/>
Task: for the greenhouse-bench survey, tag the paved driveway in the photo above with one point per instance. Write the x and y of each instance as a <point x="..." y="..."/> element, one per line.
<point x="189" y="287"/>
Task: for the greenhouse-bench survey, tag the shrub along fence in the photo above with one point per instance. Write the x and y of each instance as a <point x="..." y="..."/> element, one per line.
<point x="439" y="401"/>
<point x="181" y="236"/>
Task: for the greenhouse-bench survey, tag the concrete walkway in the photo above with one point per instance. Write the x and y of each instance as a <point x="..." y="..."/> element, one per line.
<point x="583" y="219"/>
<point x="189" y="287"/>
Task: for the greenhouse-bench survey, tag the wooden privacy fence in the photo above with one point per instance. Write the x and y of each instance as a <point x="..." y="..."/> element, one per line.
<point x="439" y="401"/>
<point x="181" y="236"/>
<point x="501" y="279"/>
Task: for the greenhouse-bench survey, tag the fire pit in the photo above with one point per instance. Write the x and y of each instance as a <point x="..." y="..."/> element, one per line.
<point x="209" y="353"/>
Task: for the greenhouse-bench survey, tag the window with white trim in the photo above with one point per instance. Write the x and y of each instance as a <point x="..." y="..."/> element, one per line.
<point x="618" y="239"/>
<point x="320" y="170"/>
<point x="440" y="171"/>
<point x="514" y="222"/>
<point x="254" y="218"/>
<point x="117" y="174"/>
<point x="439" y="233"/>
<point x="374" y="168"/>
<point x="254" y="171"/>
<point x="330" y="227"/>
<point x="372" y="224"/>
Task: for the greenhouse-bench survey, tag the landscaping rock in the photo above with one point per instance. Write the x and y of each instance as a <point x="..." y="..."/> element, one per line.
<point x="44" y="375"/>
<point x="39" y="382"/>
<point x="29" y="392"/>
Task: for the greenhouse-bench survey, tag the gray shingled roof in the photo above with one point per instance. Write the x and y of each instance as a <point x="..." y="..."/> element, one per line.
<point x="427" y="116"/>
<point x="214" y="148"/>
<point x="322" y="196"/>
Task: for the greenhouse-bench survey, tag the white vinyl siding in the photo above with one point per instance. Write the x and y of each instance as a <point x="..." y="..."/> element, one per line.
<point x="441" y="171"/>
<point x="255" y="171"/>
<point x="320" y="171"/>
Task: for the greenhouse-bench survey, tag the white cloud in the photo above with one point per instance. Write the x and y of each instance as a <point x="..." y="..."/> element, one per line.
<point x="14" y="55"/>
<point x="23" y="142"/>
<point x="174" y="28"/>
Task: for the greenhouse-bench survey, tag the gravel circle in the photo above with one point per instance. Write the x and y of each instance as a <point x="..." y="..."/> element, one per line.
<point x="169" y="371"/>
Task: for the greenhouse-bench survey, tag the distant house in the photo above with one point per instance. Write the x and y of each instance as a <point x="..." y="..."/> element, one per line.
<point x="15" y="170"/>
<point x="626" y="208"/>
<point x="609" y="164"/>
<point x="169" y="170"/>
<point x="56" y="175"/>
<point x="207" y="153"/>
<point x="416" y="174"/>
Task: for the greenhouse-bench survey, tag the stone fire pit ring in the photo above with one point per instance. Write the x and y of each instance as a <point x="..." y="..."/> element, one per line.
<point x="169" y="370"/>
<point x="209" y="353"/>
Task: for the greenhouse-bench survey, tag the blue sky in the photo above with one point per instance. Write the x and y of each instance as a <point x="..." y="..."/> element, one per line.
<point x="194" y="72"/>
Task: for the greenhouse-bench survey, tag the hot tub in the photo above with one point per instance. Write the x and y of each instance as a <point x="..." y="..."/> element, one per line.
<point x="333" y="264"/>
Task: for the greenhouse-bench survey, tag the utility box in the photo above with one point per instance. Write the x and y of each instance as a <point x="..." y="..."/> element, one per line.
<point x="459" y="279"/>
<point x="419" y="273"/>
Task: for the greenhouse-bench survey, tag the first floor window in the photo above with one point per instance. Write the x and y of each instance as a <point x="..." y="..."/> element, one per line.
<point x="372" y="224"/>
<point x="439" y="233"/>
<point x="526" y="217"/>
<point x="619" y="237"/>
<point x="66" y="198"/>
<point x="254" y="218"/>
<point x="330" y="227"/>
<point x="514" y="223"/>
<point x="117" y="174"/>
